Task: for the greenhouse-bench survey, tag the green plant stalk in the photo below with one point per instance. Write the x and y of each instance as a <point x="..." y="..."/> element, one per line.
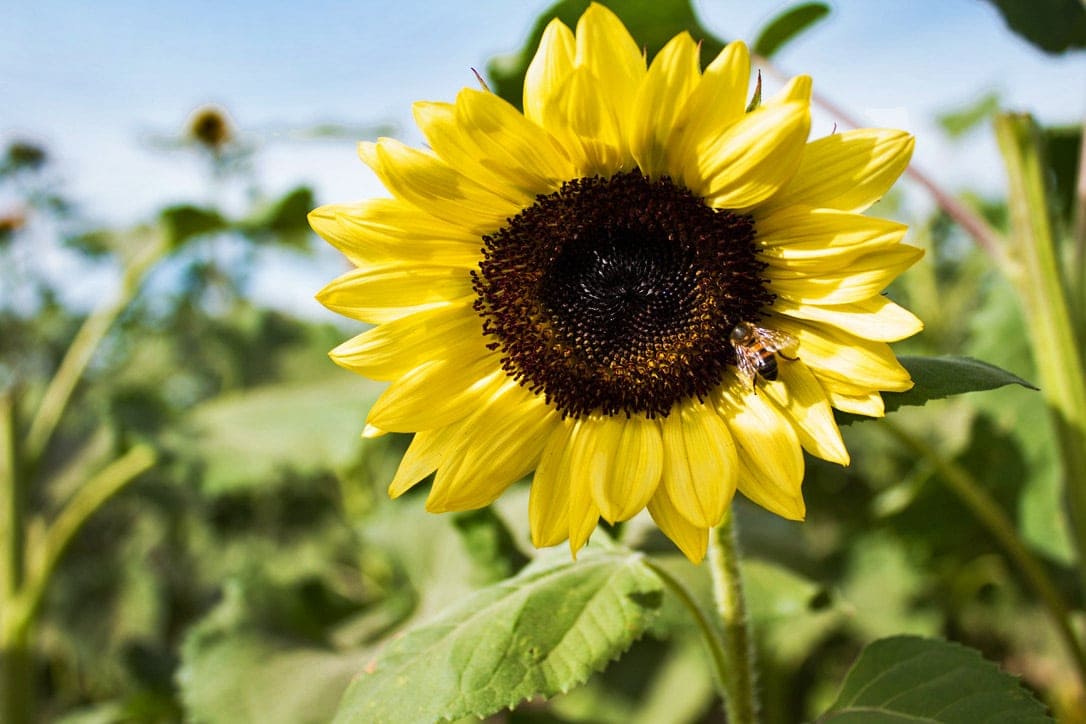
<point x="1052" y="331"/>
<point x="91" y="496"/>
<point x="741" y="702"/>
<point x="81" y="351"/>
<point x="16" y="682"/>
<point x="973" y="495"/>
<point x="709" y="633"/>
<point x="1078" y="238"/>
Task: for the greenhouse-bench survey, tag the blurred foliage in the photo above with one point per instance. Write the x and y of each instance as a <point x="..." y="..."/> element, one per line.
<point x="1054" y="26"/>
<point x="790" y="24"/>
<point x="259" y="568"/>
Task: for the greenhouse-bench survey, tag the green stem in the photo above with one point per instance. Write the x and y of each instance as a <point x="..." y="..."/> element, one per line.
<point x="969" y="490"/>
<point x="81" y="351"/>
<point x="1078" y="237"/>
<point x="86" y="501"/>
<point x="1049" y="319"/>
<point x="16" y="681"/>
<point x="741" y="702"/>
<point x="12" y="502"/>
<point x="709" y="634"/>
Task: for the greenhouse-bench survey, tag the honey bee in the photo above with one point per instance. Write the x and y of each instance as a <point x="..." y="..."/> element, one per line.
<point x="756" y="350"/>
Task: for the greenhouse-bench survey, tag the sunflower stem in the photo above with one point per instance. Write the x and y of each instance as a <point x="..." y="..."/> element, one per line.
<point x="16" y="683"/>
<point x="1047" y="309"/>
<point x="709" y="632"/>
<point x="973" y="495"/>
<point x="741" y="701"/>
<point x="80" y="352"/>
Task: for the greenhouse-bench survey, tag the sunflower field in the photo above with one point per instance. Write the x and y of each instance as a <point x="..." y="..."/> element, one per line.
<point x="664" y="389"/>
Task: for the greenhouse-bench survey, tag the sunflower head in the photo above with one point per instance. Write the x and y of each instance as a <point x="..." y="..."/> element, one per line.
<point x="637" y="290"/>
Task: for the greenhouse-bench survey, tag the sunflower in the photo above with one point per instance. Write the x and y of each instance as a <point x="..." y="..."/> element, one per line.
<point x="637" y="290"/>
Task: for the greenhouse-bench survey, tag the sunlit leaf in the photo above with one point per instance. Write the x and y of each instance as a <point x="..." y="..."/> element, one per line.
<point x="787" y="26"/>
<point x="906" y="678"/>
<point x="1052" y="25"/>
<point x="542" y="632"/>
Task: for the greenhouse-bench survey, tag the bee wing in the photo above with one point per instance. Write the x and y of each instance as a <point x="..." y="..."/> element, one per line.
<point x="748" y="361"/>
<point x="777" y="341"/>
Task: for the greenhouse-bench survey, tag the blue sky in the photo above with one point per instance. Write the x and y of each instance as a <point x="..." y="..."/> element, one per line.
<point x="93" y="80"/>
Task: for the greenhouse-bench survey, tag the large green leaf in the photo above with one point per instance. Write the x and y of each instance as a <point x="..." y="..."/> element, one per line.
<point x="651" y="22"/>
<point x="1052" y="25"/>
<point x="239" y="667"/>
<point x="537" y="634"/>
<point x="912" y="679"/>
<point x="937" y="377"/>
<point x="248" y="437"/>
<point x="787" y="26"/>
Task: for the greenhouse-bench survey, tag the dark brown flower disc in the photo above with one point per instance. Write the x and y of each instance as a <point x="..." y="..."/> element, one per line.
<point x="618" y="294"/>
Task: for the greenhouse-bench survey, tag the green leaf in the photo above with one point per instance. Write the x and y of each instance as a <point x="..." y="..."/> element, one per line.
<point x="1054" y="26"/>
<point x="651" y="22"/>
<point x="787" y="26"/>
<point x="233" y="671"/>
<point x="959" y="122"/>
<point x="937" y="377"/>
<point x="489" y="543"/>
<point x="537" y="634"/>
<point x="248" y="437"/>
<point x="283" y="220"/>
<point x="911" y="679"/>
<point x="186" y="221"/>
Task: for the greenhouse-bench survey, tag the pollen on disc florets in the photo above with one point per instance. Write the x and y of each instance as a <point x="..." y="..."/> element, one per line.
<point x="617" y="295"/>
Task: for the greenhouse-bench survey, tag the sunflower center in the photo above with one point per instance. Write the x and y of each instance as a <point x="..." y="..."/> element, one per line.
<point x="617" y="295"/>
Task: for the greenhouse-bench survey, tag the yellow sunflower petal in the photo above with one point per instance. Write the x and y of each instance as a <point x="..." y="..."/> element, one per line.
<point x="751" y="160"/>
<point x="590" y="132"/>
<point x="422" y="457"/>
<point x="550" y="65"/>
<point x="493" y="144"/>
<point x="801" y="238"/>
<point x="700" y="463"/>
<point x="498" y="445"/>
<point x="438" y="123"/>
<point x="606" y="48"/>
<point x="548" y="500"/>
<point x="383" y="292"/>
<point x="861" y="279"/>
<point x="385" y="230"/>
<point x="692" y="540"/>
<point x="584" y="515"/>
<point x="796" y="89"/>
<point x="673" y="74"/>
<point x="837" y="355"/>
<point x="716" y="102"/>
<point x="435" y="394"/>
<point x="429" y="183"/>
<point x="799" y="395"/>
<point x="622" y="463"/>
<point x="876" y="318"/>
<point x="397" y="347"/>
<point x="770" y="456"/>
<point x="848" y="171"/>
<point x="869" y="404"/>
